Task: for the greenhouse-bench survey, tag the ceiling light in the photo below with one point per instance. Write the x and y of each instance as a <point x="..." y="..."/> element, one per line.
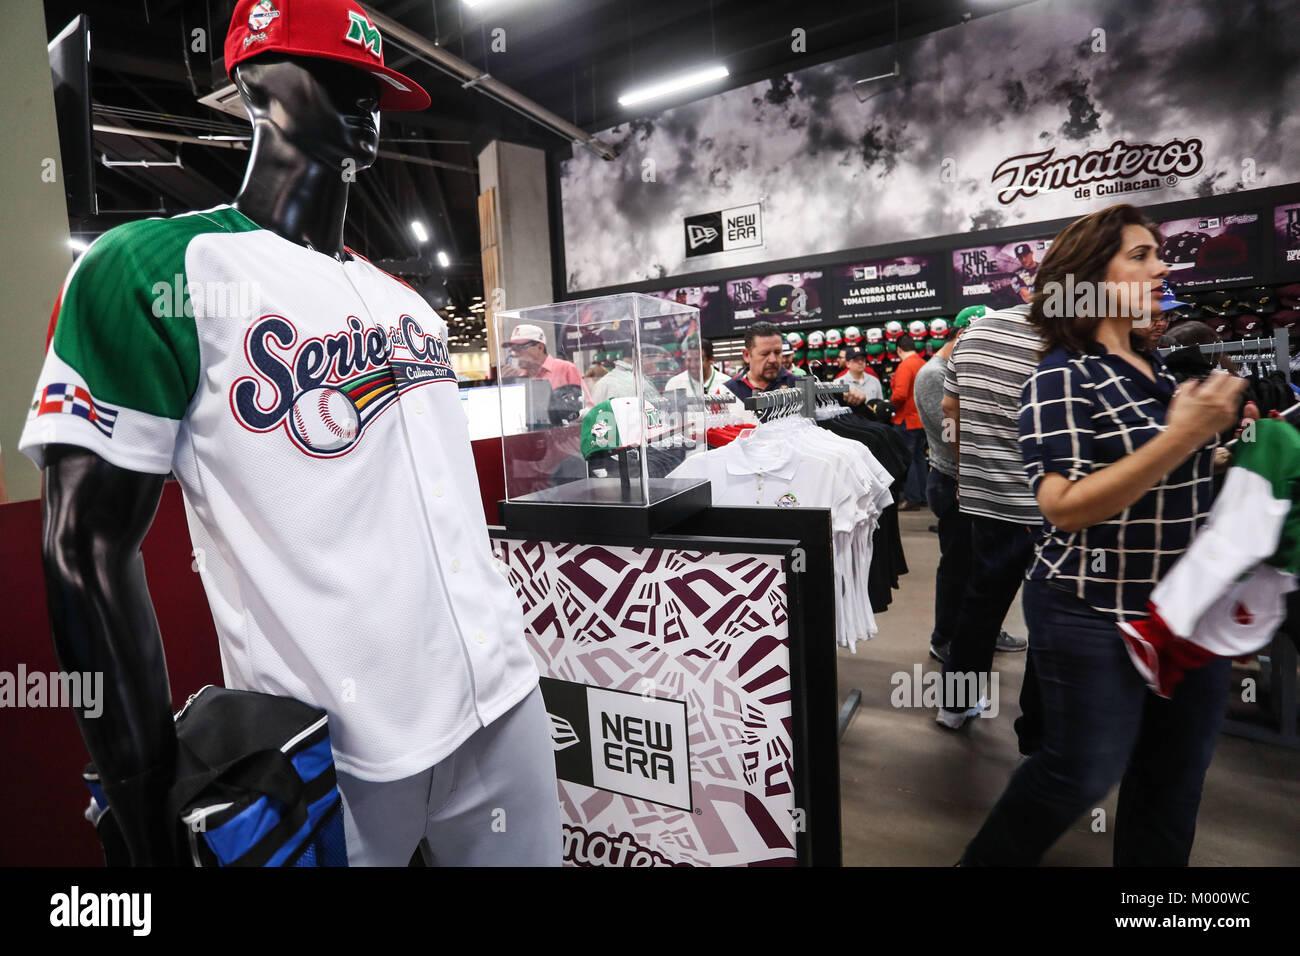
<point x="418" y="230"/>
<point x="443" y="259"/>
<point x="676" y="84"/>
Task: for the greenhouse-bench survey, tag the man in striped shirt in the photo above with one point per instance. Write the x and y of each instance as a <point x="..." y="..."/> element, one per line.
<point x="981" y="395"/>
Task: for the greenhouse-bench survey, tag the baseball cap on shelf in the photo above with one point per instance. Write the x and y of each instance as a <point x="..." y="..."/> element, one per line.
<point x="525" y="334"/>
<point x="1259" y="300"/>
<point x="618" y="423"/>
<point x="336" y="30"/>
<point x="1286" y="317"/>
<point x="1249" y="326"/>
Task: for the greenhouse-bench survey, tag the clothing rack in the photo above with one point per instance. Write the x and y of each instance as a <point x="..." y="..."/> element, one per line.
<point x="1282" y="654"/>
<point x="1277" y="347"/>
<point x="804" y="398"/>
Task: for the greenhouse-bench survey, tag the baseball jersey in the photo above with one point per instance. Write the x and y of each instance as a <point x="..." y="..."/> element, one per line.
<point x="309" y="410"/>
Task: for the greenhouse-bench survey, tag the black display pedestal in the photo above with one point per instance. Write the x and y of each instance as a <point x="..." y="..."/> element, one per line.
<point x="600" y="505"/>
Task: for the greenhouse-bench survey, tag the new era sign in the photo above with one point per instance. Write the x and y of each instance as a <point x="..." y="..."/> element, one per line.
<point x="736" y="228"/>
<point x="625" y="743"/>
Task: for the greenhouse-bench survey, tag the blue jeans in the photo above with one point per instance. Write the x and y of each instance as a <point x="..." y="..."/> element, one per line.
<point x="1000" y="551"/>
<point x="954" y="555"/>
<point x="1100" y="725"/>
<point x="914" y="487"/>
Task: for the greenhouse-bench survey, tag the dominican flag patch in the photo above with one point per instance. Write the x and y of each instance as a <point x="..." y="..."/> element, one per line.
<point x="64" y="399"/>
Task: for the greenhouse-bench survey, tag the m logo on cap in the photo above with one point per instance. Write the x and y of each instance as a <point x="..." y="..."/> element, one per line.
<point x="363" y="33"/>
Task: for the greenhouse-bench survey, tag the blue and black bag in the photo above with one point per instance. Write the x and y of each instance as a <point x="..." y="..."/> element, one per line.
<point x="255" y="784"/>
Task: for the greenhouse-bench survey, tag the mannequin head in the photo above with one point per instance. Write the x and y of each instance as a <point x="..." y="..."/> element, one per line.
<point x="326" y="110"/>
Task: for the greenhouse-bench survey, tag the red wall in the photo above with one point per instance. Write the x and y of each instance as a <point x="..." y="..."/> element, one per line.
<point x="42" y="797"/>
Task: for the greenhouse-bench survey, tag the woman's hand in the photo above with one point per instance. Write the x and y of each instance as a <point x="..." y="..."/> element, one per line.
<point x="1200" y="410"/>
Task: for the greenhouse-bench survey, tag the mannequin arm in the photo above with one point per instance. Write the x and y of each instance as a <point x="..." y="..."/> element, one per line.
<point x="95" y="516"/>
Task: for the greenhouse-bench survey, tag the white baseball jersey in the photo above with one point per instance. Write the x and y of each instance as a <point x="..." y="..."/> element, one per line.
<point x="309" y="410"/>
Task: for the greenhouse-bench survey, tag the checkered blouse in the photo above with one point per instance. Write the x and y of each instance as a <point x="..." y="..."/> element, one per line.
<point x="1079" y="413"/>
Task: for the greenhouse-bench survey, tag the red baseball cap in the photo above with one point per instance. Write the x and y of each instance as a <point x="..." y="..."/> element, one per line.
<point x="330" y="29"/>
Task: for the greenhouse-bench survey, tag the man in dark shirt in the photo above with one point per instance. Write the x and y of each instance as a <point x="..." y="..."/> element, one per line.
<point x="762" y="357"/>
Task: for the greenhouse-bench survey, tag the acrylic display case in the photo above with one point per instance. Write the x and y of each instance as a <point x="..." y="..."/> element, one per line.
<point x="612" y="405"/>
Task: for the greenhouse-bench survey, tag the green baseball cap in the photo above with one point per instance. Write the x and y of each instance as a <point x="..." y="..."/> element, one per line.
<point x="617" y="424"/>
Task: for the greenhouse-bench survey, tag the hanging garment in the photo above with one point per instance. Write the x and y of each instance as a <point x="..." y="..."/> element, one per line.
<point x="790" y="463"/>
<point x="1226" y="595"/>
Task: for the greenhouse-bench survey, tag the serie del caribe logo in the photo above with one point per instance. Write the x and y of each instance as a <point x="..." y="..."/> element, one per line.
<point x="1160" y="164"/>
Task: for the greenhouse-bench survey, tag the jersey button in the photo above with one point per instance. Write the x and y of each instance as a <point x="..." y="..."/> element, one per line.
<point x="438" y="490"/>
<point x="418" y="407"/>
<point x="455" y="565"/>
<point x="480" y="636"/>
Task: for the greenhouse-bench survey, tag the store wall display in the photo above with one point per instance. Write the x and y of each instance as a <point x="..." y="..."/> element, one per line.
<point x="667" y="678"/>
<point x="1082" y="106"/>
<point x="998" y="276"/>
<point x="1211" y="249"/>
<point x="711" y="300"/>
<point x="884" y="288"/>
<point x="723" y="231"/>
<point x="786" y="299"/>
<point x="1286" y="238"/>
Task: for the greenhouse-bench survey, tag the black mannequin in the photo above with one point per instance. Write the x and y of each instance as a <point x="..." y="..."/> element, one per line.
<point x="310" y="116"/>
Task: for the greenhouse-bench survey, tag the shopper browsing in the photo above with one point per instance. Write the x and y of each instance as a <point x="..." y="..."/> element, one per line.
<point x="861" y="381"/>
<point x="693" y="378"/>
<point x="529" y="357"/>
<point x="941" y="494"/>
<point x="989" y="364"/>
<point x="1120" y="462"/>
<point x="908" y="423"/>
<point x="762" y="370"/>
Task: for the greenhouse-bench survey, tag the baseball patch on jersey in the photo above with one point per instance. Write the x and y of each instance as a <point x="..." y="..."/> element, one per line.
<point x="325" y="391"/>
<point x="787" y="500"/>
<point x="66" y="399"/>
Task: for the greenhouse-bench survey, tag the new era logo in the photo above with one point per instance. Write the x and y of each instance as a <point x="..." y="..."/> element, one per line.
<point x="697" y="236"/>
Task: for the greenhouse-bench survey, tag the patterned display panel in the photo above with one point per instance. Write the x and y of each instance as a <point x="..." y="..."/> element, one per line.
<point x="667" y="678"/>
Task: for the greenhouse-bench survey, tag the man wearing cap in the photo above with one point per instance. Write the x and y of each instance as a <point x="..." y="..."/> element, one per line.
<point x="529" y="356"/>
<point x="787" y="361"/>
<point x="621" y="380"/>
<point x="863" y="385"/>
<point x="1024" y="281"/>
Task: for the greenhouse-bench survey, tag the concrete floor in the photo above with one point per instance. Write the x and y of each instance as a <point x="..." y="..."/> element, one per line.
<point x="913" y="794"/>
